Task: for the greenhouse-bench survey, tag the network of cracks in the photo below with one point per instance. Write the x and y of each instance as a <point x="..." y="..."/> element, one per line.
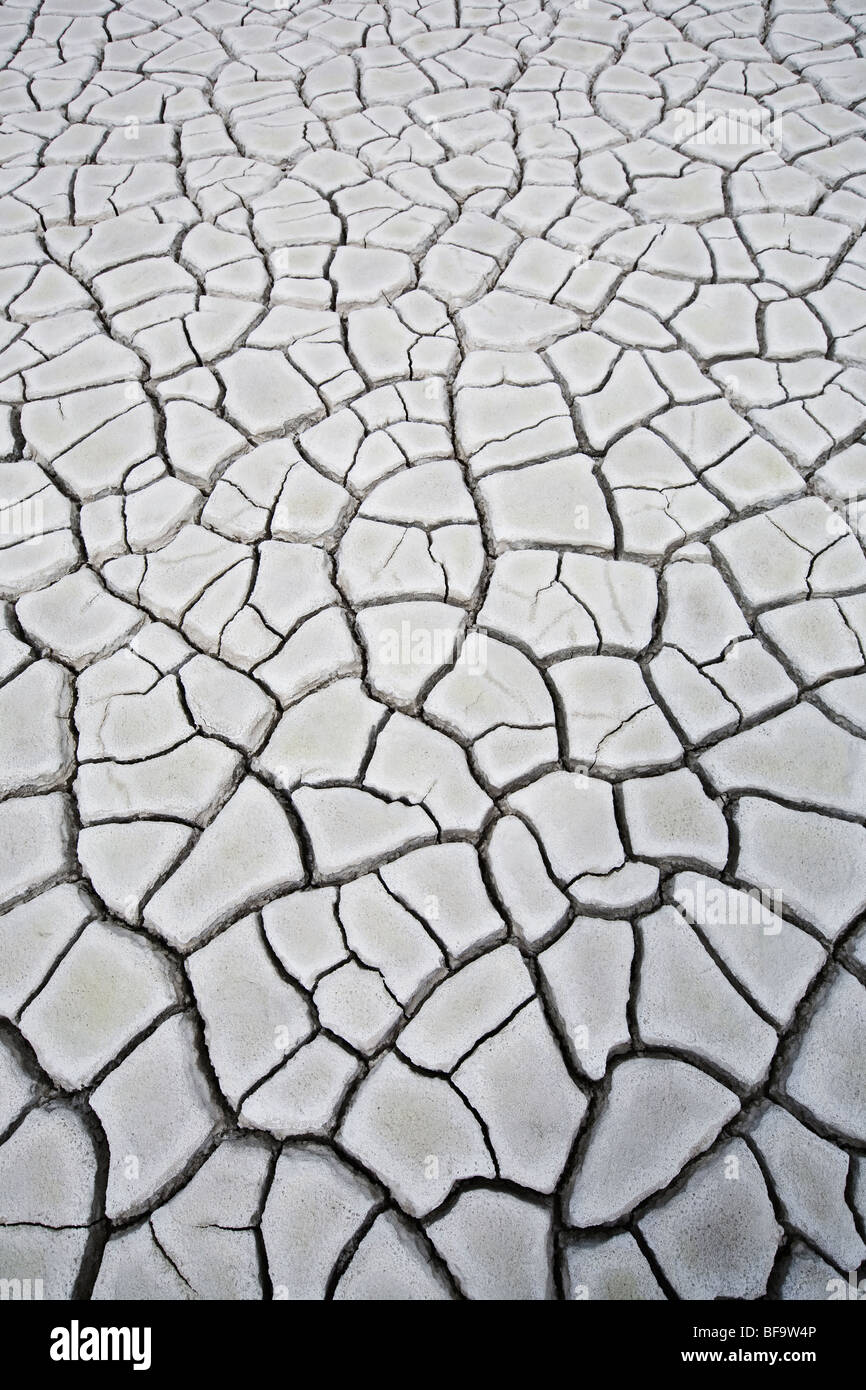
<point x="432" y="630"/>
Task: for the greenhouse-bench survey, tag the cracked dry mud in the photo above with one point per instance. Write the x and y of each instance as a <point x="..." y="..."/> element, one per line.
<point x="433" y="705"/>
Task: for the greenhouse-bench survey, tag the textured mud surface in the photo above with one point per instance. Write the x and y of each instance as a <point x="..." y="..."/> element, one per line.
<point x="433" y="607"/>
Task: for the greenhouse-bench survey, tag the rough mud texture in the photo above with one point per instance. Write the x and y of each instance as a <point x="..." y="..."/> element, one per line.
<point x="433" y="598"/>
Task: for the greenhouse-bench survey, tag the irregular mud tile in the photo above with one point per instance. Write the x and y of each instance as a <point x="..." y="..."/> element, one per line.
<point x="774" y="961"/>
<point x="109" y="987"/>
<point x="573" y="817"/>
<point x="630" y="396"/>
<point x="809" y="1278"/>
<point x="407" y="644"/>
<point x="685" y="1002"/>
<point x="391" y="1264"/>
<point x="252" y="1017"/>
<point x="701" y="616"/>
<point x="659" y="1113"/>
<point x="466" y="1007"/>
<point x="532" y="901"/>
<point x="609" y="1268"/>
<point x="443" y="885"/>
<point x="716" y="1237"/>
<point x="36" y="749"/>
<point x="264" y="395"/>
<point x="752" y="679"/>
<point x="315" y="1205"/>
<point x="49" y="1170"/>
<point x="698" y="708"/>
<point x="320" y="648"/>
<point x="225" y="704"/>
<point x="35" y="844"/>
<point x="504" y="426"/>
<point x="810" y="1177"/>
<point x="503" y="319"/>
<point x="351" y="830"/>
<point x="825" y="1076"/>
<point x="797" y="756"/>
<point x="390" y="939"/>
<point x="134" y="1267"/>
<point x="809" y="861"/>
<point x="322" y="739"/>
<point x="124" y="711"/>
<point x="153" y="1131"/>
<point x="303" y="932"/>
<point x="208" y="1231"/>
<point x="415" y="1133"/>
<point x="306" y="1094"/>
<point x="186" y="784"/>
<point x="631" y="888"/>
<point x="497" y="1245"/>
<point x="247" y="854"/>
<point x="612" y="724"/>
<point x="353" y="1002"/>
<point x="518" y="1083"/>
<point x="552" y="503"/>
<point x="670" y="818"/>
<point x="426" y="767"/>
<point x="77" y="619"/>
<point x="587" y="974"/>
<point x="33" y="937"/>
<point x="720" y="322"/>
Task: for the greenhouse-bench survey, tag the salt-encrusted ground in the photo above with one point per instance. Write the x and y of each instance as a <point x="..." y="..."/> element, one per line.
<point x="432" y="594"/>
